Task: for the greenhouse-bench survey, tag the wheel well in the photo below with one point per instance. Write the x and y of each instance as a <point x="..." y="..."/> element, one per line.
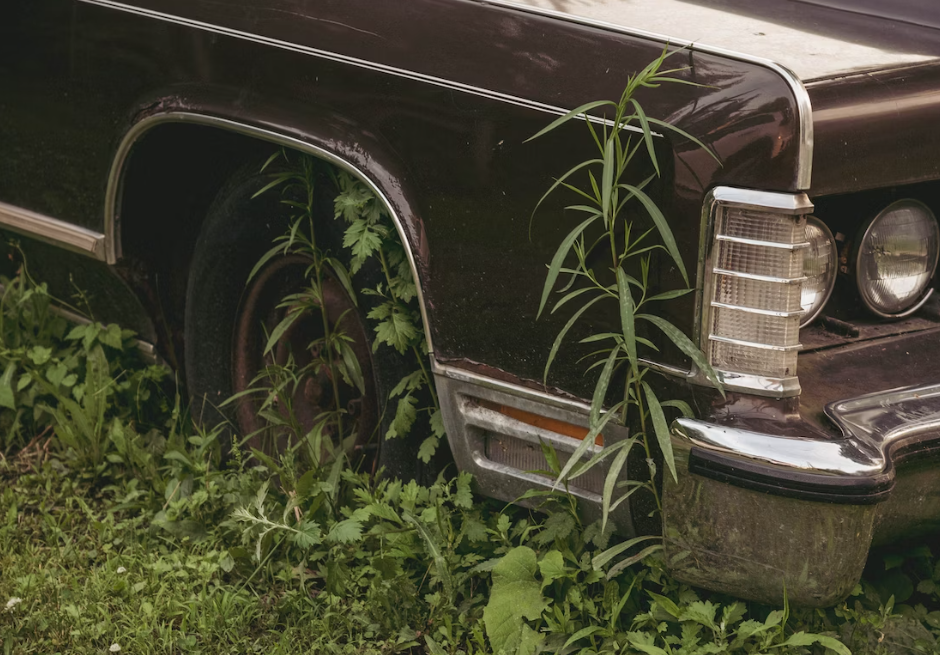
<point x="172" y="176"/>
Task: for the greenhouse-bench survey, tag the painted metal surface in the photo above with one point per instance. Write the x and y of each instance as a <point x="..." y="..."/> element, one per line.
<point x="785" y="32"/>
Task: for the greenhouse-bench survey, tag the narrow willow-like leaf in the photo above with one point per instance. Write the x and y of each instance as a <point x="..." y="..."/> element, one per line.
<point x="685" y="135"/>
<point x="571" y="296"/>
<point x="647" y="133"/>
<point x="602" y="559"/>
<point x="685" y="345"/>
<point x="279" y="179"/>
<point x="627" y="322"/>
<point x="665" y="232"/>
<point x="661" y="428"/>
<point x="600" y="456"/>
<point x="586" y="443"/>
<point x="265" y="258"/>
<point x="281" y="328"/>
<point x="616" y="569"/>
<point x="669" y="295"/>
<point x="610" y="482"/>
<point x="555" y="267"/>
<point x="560" y="181"/>
<point x="574" y="113"/>
<point x="603" y="382"/>
<point x="343" y="276"/>
<point x="607" y="180"/>
<point x="561" y="335"/>
<point x="681" y="405"/>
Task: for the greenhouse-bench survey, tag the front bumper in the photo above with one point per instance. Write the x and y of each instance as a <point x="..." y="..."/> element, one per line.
<point x="755" y="514"/>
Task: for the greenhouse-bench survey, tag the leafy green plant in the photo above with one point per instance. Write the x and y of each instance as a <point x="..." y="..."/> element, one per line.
<point x="608" y="200"/>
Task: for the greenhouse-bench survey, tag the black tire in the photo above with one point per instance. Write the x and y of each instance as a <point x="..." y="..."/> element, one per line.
<point x="237" y="231"/>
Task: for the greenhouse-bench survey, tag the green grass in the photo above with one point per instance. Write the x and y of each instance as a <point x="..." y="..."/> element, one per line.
<point x="121" y="526"/>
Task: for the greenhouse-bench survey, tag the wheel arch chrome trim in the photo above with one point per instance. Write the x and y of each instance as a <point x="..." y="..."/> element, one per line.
<point x="53" y="231"/>
<point x="111" y="246"/>
<point x="804" y="106"/>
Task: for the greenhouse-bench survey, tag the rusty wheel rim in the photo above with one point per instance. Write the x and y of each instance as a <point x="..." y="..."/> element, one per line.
<point x="258" y="314"/>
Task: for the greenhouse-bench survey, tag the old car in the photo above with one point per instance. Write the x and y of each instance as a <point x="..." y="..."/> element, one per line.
<point x="126" y="127"/>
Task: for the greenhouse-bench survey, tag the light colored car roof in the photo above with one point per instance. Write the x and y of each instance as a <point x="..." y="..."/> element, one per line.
<point x="807" y="53"/>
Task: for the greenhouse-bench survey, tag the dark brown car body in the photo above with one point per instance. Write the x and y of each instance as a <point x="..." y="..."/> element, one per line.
<point x="119" y="122"/>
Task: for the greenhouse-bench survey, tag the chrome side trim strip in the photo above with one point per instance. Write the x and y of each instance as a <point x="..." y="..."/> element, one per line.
<point x="53" y="231"/>
<point x="804" y="170"/>
<point x="111" y="242"/>
<point x="352" y="61"/>
<point x="755" y="310"/>
<point x="764" y="244"/>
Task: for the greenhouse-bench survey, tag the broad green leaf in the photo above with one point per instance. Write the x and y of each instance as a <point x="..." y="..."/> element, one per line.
<point x="552" y="567"/>
<point x="7" y="398"/>
<point x="515" y="596"/>
<point x="345" y="532"/>
<point x="666" y="604"/>
<point x="581" y="634"/>
<point x="351" y="363"/>
<point x="661" y="428"/>
<point x="427" y="448"/>
<point x="405" y="415"/>
<point x="558" y="259"/>
<point x="665" y="232"/>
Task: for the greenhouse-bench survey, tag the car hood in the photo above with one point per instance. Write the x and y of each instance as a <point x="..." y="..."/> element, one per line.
<point x="816" y="39"/>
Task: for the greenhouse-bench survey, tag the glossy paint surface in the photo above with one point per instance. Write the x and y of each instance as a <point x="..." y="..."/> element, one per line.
<point x="433" y="99"/>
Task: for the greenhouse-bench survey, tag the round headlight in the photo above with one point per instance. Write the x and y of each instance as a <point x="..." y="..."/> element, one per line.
<point x="819" y="268"/>
<point x="896" y="258"/>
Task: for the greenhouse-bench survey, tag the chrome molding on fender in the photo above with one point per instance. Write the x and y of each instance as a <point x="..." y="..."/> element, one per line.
<point x="115" y="181"/>
<point x="53" y="231"/>
<point x="804" y="171"/>
<point x="352" y="61"/>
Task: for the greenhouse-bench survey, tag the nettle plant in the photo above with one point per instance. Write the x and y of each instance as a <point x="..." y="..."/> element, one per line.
<point x="369" y="236"/>
<point x="609" y="200"/>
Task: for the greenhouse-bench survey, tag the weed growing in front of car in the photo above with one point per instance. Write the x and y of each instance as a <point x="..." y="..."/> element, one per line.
<point x="609" y="200"/>
<point x="369" y="237"/>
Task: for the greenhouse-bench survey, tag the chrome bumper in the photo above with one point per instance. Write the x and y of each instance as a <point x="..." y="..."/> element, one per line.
<point x="755" y="513"/>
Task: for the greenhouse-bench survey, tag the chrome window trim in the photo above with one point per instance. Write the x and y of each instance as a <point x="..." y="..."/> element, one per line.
<point x="352" y="61"/>
<point x="53" y="231"/>
<point x="804" y="107"/>
<point x="114" y="192"/>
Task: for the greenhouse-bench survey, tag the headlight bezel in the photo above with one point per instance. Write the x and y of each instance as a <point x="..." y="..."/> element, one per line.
<point x="814" y="313"/>
<point x="861" y="240"/>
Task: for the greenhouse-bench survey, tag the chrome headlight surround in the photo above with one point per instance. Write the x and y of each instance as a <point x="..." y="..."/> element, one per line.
<point x="861" y="257"/>
<point x="751" y="271"/>
<point x="820" y="239"/>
